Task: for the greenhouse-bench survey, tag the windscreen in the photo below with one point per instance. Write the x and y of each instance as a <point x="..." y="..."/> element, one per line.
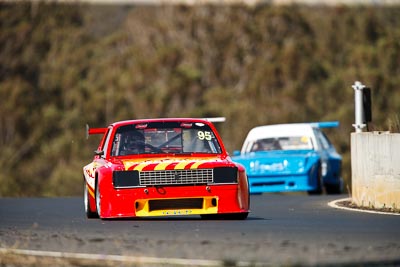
<point x="282" y="143"/>
<point x="164" y="137"/>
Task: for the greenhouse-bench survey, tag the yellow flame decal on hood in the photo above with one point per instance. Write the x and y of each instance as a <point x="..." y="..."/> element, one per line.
<point x="162" y="166"/>
<point x="141" y="166"/>
<point x="181" y="164"/>
<point x="197" y="164"/>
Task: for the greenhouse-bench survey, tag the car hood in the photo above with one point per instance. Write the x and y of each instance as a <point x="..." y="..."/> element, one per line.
<point x="278" y="162"/>
<point x="173" y="163"/>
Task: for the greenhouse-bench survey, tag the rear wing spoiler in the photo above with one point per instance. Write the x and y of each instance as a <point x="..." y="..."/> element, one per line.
<point x="90" y="131"/>
<point x="215" y="119"/>
<point x="326" y="124"/>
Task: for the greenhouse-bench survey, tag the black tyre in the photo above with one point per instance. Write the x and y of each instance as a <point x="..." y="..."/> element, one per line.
<point x="86" y="200"/>
<point x="318" y="189"/>
<point x="98" y="200"/>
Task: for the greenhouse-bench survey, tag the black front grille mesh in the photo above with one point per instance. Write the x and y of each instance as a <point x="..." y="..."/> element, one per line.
<point x="176" y="177"/>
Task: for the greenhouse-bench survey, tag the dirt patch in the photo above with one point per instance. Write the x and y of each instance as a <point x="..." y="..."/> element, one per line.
<point x="352" y="205"/>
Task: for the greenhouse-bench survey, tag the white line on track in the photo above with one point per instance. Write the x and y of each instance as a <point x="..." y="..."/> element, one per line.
<point x="125" y="259"/>
<point x="334" y="204"/>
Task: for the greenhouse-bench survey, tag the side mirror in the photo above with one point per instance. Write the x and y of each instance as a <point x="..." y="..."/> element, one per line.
<point x="99" y="153"/>
<point x="236" y="152"/>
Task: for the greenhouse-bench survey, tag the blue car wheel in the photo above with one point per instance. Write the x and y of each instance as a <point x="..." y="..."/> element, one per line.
<point x="318" y="187"/>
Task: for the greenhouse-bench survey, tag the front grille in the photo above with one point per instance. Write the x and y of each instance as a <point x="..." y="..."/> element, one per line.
<point x="176" y="177"/>
<point x="175" y="204"/>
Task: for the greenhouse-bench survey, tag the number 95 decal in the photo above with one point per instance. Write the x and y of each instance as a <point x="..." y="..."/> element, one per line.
<point x="206" y="135"/>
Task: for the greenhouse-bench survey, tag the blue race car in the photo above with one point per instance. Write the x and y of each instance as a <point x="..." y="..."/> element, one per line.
<point x="291" y="157"/>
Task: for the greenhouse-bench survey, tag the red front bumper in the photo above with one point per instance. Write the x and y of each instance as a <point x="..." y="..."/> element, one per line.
<point x="176" y="200"/>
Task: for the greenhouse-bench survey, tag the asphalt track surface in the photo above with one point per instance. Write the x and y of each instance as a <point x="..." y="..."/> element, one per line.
<point x="281" y="230"/>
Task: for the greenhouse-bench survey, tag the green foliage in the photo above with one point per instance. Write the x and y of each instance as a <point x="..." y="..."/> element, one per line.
<point x="63" y="66"/>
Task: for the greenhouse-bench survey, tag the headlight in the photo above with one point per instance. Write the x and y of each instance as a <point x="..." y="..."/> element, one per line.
<point x="122" y="179"/>
<point x="225" y="175"/>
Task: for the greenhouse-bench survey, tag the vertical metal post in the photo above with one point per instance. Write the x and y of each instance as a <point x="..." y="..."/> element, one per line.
<point x="359" y="108"/>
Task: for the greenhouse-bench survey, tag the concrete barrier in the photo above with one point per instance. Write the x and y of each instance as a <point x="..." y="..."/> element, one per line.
<point x="375" y="164"/>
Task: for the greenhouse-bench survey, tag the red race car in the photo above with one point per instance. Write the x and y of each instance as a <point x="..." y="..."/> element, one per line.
<point x="163" y="167"/>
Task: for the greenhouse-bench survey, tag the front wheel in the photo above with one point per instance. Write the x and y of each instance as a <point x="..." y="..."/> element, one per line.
<point x="318" y="189"/>
<point x="98" y="200"/>
<point x="86" y="200"/>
